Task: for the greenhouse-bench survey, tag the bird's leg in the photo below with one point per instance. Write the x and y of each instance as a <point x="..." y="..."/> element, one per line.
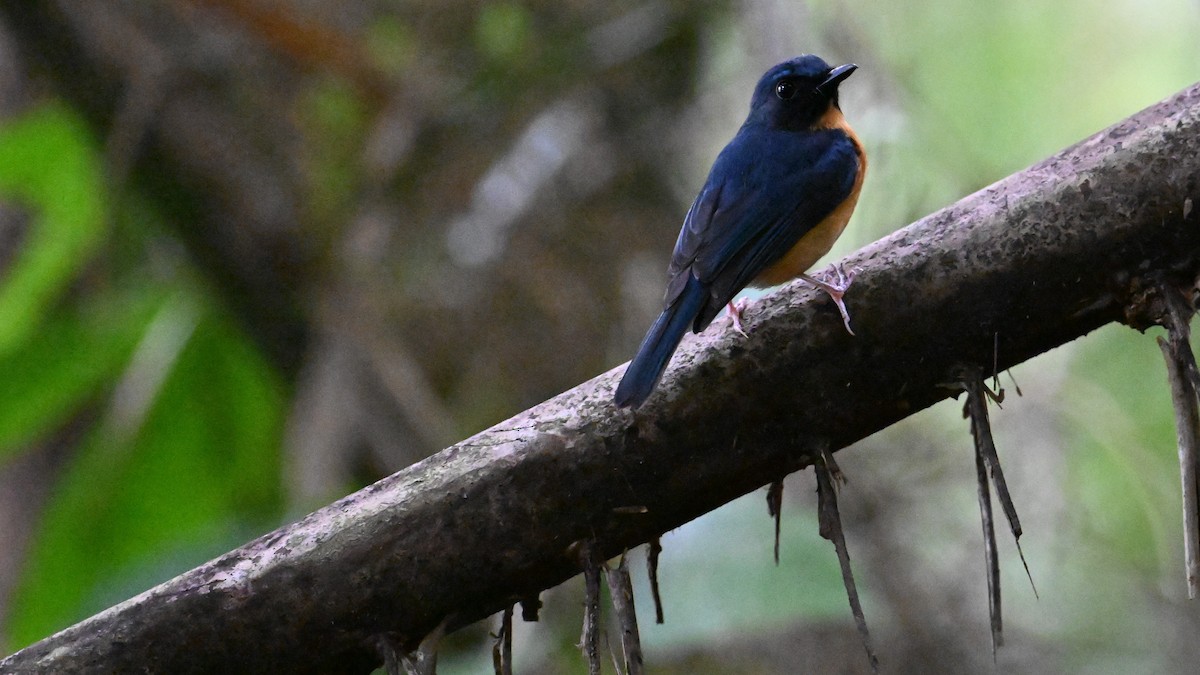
<point x="838" y="281"/>
<point x="735" y="314"/>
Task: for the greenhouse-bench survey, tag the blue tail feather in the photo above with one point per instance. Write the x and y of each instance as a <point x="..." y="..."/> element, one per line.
<point x="646" y="369"/>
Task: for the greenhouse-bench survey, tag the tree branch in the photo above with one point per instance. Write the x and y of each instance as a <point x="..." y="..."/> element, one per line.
<point x="1038" y="259"/>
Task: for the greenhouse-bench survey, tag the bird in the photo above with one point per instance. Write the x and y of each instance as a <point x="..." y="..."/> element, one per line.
<point x="777" y="197"/>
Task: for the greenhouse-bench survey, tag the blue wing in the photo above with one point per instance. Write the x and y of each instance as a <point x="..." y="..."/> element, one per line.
<point x="766" y="190"/>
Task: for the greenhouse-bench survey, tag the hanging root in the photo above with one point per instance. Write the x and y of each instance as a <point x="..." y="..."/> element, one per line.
<point x="589" y="641"/>
<point x="530" y="607"/>
<point x="987" y="463"/>
<point x="775" y="510"/>
<point x="985" y="448"/>
<point x="991" y="558"/>
<point x="621" y="589"/>
<point x="1185" y="382"/>
<point x="502" y="649"/>
<point x="652" y="571"/>
<point x="420" y="661"/>
<point x="830" y="520"/>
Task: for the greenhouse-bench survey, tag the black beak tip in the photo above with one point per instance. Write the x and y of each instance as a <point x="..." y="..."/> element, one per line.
<point x="835" y="77"/>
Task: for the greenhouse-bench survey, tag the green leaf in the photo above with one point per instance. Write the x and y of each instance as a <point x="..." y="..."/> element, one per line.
<point x="49" y="163"/>
<point x="78" y="353"/>
<point x="162" y="485"/>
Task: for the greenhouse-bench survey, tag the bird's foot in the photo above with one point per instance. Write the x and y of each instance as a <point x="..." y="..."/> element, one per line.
<point x="837" y="281"/>
<point x="735" y="315"/>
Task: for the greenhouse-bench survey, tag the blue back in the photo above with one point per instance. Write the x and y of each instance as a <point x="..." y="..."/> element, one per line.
<point x="767" y="189"/>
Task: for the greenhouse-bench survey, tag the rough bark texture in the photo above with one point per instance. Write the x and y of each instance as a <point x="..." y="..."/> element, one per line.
<point x="1038" y="259"/>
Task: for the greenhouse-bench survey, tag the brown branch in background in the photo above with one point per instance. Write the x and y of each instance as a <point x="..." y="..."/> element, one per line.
<point x="145" y="91"/>
<point x="620" y="588"/>
<point x="830" y="523"/>
<point x="502" y="648"/>
<point x="308" y="44"/>
<point x="1183" y="376"/>
<point x="589" y="641"/>
<point x="652" y="554"/>
<point x="775" y="510"/>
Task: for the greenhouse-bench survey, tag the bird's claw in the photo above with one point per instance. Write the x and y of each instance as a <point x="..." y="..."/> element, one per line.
<point x="735" y="315"/>
<point x="837" y="281"/>
<point x="839" y="278"/>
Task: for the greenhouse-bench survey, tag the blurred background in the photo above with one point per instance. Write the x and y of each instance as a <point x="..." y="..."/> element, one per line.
<point x="256" y="254"/>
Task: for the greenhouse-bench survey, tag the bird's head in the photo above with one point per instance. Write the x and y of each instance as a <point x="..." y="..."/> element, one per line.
<point x="796" y="94"/>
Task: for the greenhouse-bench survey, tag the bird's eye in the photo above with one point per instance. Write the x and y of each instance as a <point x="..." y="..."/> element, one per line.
<point x="785" y="90"/>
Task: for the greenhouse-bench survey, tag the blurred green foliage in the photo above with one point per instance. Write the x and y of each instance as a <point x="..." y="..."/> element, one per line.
<point x="77" y="353"/>
<point x="181" y="415"/>
<point x="391" y="45"/>
<point x="333" y="118"/>
<point x="190" y="467"/>
<point x="46" y="164"/>
<point x="503" y="31"/>
<point x="1124" y="470"/>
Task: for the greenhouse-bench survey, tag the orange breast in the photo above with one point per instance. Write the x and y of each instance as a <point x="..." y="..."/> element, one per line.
<point x="820" y="239"/>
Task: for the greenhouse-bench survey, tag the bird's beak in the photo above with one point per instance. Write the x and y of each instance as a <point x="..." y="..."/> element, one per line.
<point x="835" y="78"/>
